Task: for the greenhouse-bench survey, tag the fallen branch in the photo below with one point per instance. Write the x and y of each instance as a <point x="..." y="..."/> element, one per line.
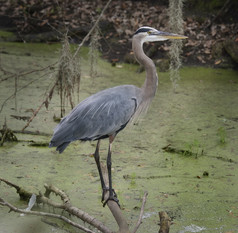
<point x="72" y="210"/>
<point x="38" y="213"/>
<point x="65" y="206"/>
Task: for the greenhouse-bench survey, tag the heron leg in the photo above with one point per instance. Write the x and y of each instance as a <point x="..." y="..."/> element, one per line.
<point x="112" y="193"/>
<point x="97" y="160"/>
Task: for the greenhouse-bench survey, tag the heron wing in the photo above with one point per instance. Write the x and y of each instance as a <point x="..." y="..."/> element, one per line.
<point x="98" y="116"/>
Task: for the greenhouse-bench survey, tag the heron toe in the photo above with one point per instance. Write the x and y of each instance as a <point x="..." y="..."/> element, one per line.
<point x="112" y="196"/>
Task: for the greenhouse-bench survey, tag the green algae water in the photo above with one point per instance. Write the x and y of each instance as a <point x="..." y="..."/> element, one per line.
<point x="198" y="190"/>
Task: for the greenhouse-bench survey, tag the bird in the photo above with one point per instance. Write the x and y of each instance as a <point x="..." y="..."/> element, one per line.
<point x="106" y="113"/>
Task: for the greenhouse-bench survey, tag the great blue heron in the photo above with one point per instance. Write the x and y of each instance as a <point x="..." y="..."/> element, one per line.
<point x="107" y="112"/>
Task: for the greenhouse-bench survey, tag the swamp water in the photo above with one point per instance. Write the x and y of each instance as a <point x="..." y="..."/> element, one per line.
<point x="197" y="187"/>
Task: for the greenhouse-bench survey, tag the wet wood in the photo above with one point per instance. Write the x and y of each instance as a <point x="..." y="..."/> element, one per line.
<point x="164" y="222"/>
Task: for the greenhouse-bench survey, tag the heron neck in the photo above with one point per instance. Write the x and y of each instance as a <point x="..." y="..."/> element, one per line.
<point x="151" y="82"/>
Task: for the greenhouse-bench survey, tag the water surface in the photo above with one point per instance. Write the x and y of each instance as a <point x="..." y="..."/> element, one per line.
<point x="198" y="190"/>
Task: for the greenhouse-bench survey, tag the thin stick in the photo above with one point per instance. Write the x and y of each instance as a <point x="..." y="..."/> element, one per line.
<point x="92" y="29"/>
<point x="39" y="108"/>
<point x="141" y="212"/>
<point x="15" y="93"/>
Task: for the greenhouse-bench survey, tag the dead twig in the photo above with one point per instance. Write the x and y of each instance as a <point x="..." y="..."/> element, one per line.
<point x="141" y="213"/>
<point x="45" y="102"/>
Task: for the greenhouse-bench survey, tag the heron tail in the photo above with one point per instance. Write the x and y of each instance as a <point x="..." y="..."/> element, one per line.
<point x="60" y="147"/>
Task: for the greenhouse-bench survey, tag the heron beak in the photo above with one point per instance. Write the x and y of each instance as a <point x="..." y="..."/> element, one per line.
<point x="168" y="35"/>
<point x="176" y="37"/>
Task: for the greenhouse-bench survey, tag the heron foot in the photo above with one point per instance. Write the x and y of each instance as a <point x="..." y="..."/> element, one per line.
<point x="112" y="196"/>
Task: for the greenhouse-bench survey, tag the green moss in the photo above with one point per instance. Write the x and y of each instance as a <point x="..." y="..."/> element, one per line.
<point x="221" y="133"/>
<point x="7" y="36"/>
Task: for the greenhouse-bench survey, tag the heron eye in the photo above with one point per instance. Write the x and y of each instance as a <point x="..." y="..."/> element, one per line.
<point x="149" y="32"/>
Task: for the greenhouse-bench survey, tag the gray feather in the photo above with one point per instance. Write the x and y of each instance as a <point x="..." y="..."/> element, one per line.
<point x="100" y="115"/>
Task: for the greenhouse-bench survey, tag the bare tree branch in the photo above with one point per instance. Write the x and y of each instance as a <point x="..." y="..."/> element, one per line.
<point x="92" y="29"/>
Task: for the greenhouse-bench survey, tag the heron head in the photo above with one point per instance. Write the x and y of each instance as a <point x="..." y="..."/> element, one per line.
<point x="150" y="34"/>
